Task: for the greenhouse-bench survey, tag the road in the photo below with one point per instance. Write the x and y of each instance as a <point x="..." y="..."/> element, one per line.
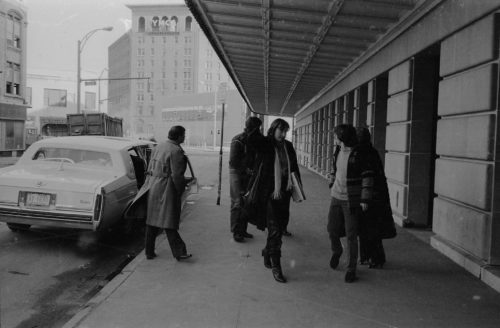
<point x="47" y="274"/>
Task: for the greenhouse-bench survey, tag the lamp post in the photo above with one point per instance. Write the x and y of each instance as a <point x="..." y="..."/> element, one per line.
<point x="99" y="91"/>
<point x="81" y="45"/>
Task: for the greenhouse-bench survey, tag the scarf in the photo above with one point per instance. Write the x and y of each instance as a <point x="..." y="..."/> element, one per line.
<point x="277" y="173"/>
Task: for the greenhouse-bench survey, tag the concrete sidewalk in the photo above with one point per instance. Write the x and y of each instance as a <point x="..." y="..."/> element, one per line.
<point x="225" y="284"/>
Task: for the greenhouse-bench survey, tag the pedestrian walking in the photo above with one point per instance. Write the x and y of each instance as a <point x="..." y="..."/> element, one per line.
<point x="280" y="164"/>
<point x="242" y="157"/>
<point x="351" y="183"/>
<point x="162" y="192"/>
<point x="377" y="222"/>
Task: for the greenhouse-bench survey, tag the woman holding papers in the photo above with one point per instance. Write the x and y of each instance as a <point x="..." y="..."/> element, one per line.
<point x="280" y="171"/>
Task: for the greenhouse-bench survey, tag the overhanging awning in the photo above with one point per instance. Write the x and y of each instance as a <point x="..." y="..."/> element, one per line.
<point x="281" y="53"/>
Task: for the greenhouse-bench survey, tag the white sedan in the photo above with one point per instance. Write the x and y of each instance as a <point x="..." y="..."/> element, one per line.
<point x="84" y="182"/>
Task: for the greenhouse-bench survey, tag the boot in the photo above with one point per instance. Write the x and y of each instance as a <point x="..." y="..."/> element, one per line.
<point x="276" y="268"/>
<point x="267" y="259"/>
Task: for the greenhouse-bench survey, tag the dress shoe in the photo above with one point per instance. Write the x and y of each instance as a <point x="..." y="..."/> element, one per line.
<point x="247" y="235"/>
<point x="287" y="233"/>
<point x="183" y="257"/>
<point x="267" y="259"/>
<point x="350" y="276"/>
<point x="151" y="256"/>
<point x="238" y="238"/>
<point x="334" y="261"/>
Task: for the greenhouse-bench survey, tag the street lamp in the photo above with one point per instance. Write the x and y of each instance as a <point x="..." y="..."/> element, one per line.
<point x="99" y="90"/>
<point x="81" y="44"/>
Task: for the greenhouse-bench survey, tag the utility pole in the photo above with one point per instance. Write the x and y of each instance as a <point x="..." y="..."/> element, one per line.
<point x="222" y="98"/>
<point x="78" y="78"/>
<point x="220" y="154"/>
<point x="215" y="119"/>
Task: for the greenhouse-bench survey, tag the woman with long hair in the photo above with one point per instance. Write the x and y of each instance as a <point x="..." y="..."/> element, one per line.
<point x="377" y="222"/>
<point x="280" y="164"/>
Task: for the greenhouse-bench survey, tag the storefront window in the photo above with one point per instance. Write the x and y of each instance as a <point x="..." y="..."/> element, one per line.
<point x="11" y="135"/>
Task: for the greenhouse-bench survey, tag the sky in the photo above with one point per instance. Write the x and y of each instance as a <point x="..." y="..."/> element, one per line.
<point x="55" y="26"/>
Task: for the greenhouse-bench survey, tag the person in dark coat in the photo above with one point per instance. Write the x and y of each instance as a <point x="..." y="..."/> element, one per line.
<point x="162" y="190"/>
<point x="377" y="222"/>
<point x="241" y="163"/>
<point x="279" y="163"/>
<point x="351" y="183"/>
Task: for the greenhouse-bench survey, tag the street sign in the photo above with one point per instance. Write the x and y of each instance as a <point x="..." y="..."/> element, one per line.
<point x="90" y="83"/>
<point x="222" y="92"/>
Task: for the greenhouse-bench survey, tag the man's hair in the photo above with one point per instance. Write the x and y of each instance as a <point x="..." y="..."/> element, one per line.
<point x="364" y="135"/>
<point x="347" y="134"/>
<point x="252" y="123"/>
<point x="277" y="124"/>
<point x="176" y="132"/>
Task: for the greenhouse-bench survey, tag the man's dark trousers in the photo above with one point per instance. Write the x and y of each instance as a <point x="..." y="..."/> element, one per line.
<point x="177" y="245"/>
<point x="237" y="187"/>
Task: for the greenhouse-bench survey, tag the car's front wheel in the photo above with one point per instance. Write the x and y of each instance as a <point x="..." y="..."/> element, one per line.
<point x="18" y="226"/>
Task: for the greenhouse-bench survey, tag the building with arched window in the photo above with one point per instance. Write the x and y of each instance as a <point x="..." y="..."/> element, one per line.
<point x="168" y="47"/>
<point x="13" y="93"/>
<point x="141" y="24"/>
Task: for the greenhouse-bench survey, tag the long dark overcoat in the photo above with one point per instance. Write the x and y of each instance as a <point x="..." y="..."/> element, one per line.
<point x="256" y="209"/>
<point x="161" y="193"/>
<point x="378" y="219"/>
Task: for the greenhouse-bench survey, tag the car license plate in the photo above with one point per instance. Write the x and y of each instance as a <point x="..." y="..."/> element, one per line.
<point x="37" y="199"/>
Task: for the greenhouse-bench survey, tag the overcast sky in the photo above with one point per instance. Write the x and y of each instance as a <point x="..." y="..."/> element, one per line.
<point x="55" y="26"/>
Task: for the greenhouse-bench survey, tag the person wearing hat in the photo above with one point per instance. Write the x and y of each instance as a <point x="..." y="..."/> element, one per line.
<point x="241" y="162"/>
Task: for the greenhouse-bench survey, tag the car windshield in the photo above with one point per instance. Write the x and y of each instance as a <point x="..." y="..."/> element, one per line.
<point x="74" y="156"/>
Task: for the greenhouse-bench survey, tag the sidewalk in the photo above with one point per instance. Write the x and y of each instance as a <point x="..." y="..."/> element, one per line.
<point x="226" y="285"/>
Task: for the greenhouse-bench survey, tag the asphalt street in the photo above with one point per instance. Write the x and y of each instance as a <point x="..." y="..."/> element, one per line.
<point x="46" y="274"/>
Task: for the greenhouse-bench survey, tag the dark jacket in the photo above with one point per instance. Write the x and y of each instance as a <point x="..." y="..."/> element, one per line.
<point x="243" y="152"/>
<point x="263" y="182"/>
<point x="360" y="176"/>
<point x="163" y="188"/>
<point x="378" y="219"/>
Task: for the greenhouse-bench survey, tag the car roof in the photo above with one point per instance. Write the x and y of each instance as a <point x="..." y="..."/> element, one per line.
<point x="101" y="142"/>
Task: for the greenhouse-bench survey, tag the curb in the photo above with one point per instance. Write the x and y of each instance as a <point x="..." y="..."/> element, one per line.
<point x="106" y="291"/>
<point x="110" y="287"/>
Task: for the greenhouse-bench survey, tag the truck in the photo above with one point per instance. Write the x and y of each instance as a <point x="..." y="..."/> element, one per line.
<point x="81" y="124"/>
<point x="98" y="124"/>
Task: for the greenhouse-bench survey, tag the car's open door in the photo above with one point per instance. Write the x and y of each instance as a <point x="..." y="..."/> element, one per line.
<point x="192" y="184"/>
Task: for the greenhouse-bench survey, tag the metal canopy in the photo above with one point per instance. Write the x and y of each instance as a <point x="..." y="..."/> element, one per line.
<point x="281" y="53"/>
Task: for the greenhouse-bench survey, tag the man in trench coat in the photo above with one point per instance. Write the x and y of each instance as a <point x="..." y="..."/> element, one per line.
<point x="162" y="190"/>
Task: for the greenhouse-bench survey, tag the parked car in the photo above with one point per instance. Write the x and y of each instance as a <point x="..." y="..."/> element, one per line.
<point x="83" y="182"/>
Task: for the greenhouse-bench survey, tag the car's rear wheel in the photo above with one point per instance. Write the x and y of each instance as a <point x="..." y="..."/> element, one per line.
<point x="18" y="227"/>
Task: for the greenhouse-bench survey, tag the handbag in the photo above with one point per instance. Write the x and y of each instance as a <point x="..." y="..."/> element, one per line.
<point x="253" y="207"/>
<point x="298" y="194"/>
<point x="250" y="197"/>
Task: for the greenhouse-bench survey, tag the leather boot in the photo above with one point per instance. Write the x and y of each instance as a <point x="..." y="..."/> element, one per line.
<point x="267" y="259"/>
<point x="276" y="268"/>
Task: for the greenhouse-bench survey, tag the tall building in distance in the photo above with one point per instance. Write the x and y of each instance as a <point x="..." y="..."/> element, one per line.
<point x="166" y="45"/>
<point x="13" y="92"/>
<point x="119" y="91"/>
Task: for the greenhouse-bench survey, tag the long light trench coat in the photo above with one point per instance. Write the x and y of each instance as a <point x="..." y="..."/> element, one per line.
<point x="163" y="188"/>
